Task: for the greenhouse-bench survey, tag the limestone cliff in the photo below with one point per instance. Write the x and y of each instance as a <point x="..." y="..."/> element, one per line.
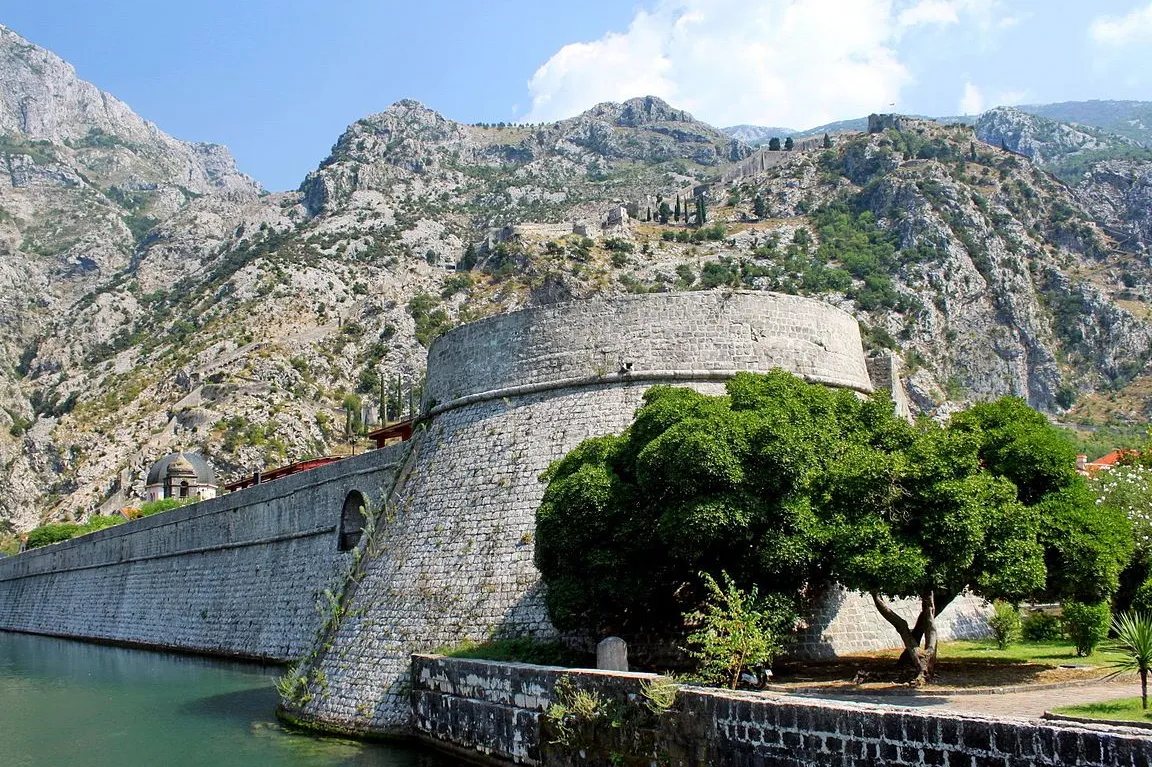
<point x="154" y="298"/>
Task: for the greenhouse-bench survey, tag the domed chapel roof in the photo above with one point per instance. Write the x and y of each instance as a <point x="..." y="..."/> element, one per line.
<point x="180" y="462"/>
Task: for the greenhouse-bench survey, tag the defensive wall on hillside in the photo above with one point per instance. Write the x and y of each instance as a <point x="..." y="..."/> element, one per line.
<point x="507" y="396"/>
<point x="238" y="575"/>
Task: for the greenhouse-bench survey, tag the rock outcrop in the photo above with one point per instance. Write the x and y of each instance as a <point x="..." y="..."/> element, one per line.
<point x="153" y="298"/>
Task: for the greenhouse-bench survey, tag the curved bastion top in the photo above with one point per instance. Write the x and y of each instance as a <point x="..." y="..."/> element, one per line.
<point x="651" y="338"/>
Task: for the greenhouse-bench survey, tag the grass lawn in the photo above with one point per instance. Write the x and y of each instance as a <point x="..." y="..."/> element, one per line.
<point x="1058" y="653"/>
<point x="1123" y="709"/>
<point x="965" y="663"/>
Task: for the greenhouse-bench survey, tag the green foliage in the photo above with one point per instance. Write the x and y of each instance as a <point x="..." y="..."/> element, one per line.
<point x="685" y="277"/>
<point x="1039" y="626"/>
<point x="164" y="504"/>
<point x="1127" y="489"/>
<point x="430" y="320"/>
<point x="1134" y="643"/>
<point x="659" y="694"/>
<point x="47" y="534"/>
<point x="55" y="533"/>
<point x="522" y="650"/>
<point x="99" y="139"/>
<point x="240" y="432"/>
<point x="716" y="273"/>
<point x="737" y="630"/>
<point x="1005" y="623"/>
<point x="1086" y="624"/>
<point x="618" y="245"/>
<point x="1086" y="545"/>
<point x="867" y="252"/>
<point x="784" y="484"/>
<point x="457" y="283"/>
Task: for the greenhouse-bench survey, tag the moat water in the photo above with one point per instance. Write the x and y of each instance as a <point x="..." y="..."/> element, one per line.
<point x="74" y="704"/>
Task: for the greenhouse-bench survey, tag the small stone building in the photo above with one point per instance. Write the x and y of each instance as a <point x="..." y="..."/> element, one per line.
<point x="180" y="475"/>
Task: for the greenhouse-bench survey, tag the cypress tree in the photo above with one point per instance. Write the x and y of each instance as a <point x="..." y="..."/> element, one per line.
<point x="676" y="212"/>
<point x="701" y="211"/>
<point x="827" y="141"/>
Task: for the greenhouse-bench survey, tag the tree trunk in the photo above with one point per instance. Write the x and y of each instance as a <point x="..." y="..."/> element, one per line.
<point x="1144" y="688"/>
<point x="928" y="613"/>
<point x="921" y="661"/>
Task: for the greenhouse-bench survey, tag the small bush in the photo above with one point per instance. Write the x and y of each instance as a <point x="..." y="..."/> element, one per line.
<point x="1005" y="624"/>
<point x="164" y="504"/>
<point x="619" y="245"/>
<point x="1086" y="625"/>
<point x="48" y="534"/>
<point x="737" y="631"/>
<point x="1040" y="626"/>
<point x="1142" y="599"/>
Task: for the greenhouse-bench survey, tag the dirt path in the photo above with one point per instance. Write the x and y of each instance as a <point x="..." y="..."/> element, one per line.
<point x="1026" y="705"/>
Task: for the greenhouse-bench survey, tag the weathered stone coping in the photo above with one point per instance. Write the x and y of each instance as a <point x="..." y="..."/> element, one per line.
<point x="492" y="712"/>
<point x="646" y="376"/>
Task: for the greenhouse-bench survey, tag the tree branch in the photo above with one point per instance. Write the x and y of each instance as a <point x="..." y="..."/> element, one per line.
<point x="891" y="616"/>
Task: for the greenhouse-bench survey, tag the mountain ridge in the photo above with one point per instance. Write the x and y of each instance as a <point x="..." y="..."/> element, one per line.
<point x="253" y="327"/>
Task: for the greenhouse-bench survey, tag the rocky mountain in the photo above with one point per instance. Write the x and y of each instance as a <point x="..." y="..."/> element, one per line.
<point x="755" y="135"/>
<point x="152" y="303"/>
<point x="1131" y="119"/>
<point x="83" y="180"/>
<point x="1066" y="138"/>
<point x="1063" y="149"/>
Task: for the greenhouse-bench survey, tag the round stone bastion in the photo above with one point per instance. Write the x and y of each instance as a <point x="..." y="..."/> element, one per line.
<point x="652" y="338"/>
<point x="451" y="556"/>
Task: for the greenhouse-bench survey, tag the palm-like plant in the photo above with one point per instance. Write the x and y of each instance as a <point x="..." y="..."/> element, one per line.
<point x="1134" y="643"/>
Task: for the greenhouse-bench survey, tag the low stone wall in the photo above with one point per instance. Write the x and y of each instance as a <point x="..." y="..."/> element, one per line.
<point x="238" y="575"/>
<point x="494" y="713"/>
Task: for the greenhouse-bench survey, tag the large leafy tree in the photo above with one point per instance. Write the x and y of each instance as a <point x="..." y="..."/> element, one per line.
<point x="786" y="485"/>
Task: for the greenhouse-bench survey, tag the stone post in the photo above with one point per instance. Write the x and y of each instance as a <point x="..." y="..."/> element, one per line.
<point x="612" y="654"/>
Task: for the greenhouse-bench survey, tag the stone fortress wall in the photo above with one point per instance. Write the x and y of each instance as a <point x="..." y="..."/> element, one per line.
<point x="509" y="395"/>
<point x="238" y="575"/>
<point x="451" y="556"/>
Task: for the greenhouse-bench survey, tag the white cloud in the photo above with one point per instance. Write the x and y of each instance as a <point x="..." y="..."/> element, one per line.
<point x="791" y="63"/>
<point x="1011" y="98"/>
<point x="972" y="102"/>
<point x="1135" y="28"/>
<point x="929" y="12"/>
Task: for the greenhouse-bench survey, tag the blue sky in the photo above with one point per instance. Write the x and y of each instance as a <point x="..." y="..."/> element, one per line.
<point x="278" y="81"/>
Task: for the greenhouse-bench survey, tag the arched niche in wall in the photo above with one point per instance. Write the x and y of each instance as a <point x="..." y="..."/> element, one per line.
<point x="352" y="520"/>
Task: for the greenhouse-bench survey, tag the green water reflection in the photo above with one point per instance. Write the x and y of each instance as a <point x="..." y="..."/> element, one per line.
<point x="84" y="705"/>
